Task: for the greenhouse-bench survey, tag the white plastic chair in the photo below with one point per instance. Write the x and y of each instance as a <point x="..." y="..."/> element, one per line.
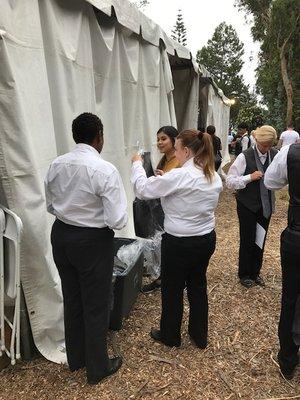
<point x="11" y="282"/>
<point x="2" y="228"/>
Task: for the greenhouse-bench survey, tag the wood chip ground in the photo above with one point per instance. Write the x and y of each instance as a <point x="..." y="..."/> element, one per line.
<point x="239" y="363"/>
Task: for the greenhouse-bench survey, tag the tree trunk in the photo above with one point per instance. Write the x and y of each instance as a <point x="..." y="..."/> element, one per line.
<point x="287" y="85"/>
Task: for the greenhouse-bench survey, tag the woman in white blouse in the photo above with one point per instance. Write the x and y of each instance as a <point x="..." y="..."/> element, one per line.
<point x="189" y="196"/>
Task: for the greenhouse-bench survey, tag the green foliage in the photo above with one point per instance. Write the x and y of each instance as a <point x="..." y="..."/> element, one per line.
<point x="276" y="24"/>
<point x="251" y="114"/>
<point x="179" y="31"/>
<point x="222" y="56"/>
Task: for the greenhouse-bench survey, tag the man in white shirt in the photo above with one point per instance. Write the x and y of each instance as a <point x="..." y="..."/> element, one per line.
<point x="86" y="195"/>
<point x="255" y="203"/>
<point x="285" y="169"/>
<point x="288" y="137"/>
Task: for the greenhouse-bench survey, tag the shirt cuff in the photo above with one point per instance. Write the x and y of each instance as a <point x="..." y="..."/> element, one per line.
<point x="136" y="163"/>
<point x="247" y="179"/>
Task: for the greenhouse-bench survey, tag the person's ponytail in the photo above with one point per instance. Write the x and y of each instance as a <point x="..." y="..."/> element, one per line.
<point x="201" y="145"/>
<point x="204" y="157"/>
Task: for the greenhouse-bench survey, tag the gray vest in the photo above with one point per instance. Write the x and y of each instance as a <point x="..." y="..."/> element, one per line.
<point x="293" y="170"/>
<point x="255" y="195"/>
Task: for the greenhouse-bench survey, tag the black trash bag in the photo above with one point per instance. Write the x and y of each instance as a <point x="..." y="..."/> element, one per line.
<point x="148" y="215"/>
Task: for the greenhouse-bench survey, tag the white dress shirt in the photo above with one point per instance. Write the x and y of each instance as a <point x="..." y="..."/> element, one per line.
<point x="289" y="137"/>
<point x="187" y="197"/>
<point x="84" y="190"/>
<point x="235" y="178"/>
<point x="245" y="141"/>
<point x="276" y="174"/>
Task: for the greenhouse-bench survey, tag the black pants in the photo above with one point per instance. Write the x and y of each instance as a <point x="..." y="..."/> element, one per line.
<point x="84" y="259"/>
<point x="250" y="255"/>
<point x="290" y="264"/>
<point x="184" y="263"/>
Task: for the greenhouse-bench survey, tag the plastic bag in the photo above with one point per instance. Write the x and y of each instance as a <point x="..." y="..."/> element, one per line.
<point x="152" y="254"/>
<point x="120" y="267"/>
<point x="151" y="247"/>
<point x="129" y="253"/>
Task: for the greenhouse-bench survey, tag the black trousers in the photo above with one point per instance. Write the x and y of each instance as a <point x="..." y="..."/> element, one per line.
<point x="84" y="259"/>
<point x="250" y="255"/>
<point x="184" y="263"/>
<point x="290" y="264"/>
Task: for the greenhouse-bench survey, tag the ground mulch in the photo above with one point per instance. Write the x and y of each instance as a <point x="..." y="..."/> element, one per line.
<point x="239" y="363"/>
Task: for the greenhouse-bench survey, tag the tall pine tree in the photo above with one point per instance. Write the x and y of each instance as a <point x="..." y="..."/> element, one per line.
<point x="179" y="31"/>
<point x="222" y="56"/>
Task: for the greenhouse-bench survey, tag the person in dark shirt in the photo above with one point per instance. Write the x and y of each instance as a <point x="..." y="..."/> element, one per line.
<point x="217" y="145"/>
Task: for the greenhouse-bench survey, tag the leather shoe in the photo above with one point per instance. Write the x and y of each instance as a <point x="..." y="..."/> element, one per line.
<point x="156" y="335"/>
<point x="259" y="281"/>
<point x="114" y="364"/>
<point x="288" y="375"/>
<point x="247" y="282"/>
<point x="197" y="343"/>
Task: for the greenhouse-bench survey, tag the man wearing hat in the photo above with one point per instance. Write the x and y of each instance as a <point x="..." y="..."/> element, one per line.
<point x="285" y="169"/>
<point x="255" y="203"/>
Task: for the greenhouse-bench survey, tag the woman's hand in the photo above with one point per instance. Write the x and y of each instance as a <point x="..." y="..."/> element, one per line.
<point x="136" y="157"/>
<point x="159" y="172"/>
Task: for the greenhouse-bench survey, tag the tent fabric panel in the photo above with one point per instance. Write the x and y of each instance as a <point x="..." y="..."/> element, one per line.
<point x="73" y="65"/>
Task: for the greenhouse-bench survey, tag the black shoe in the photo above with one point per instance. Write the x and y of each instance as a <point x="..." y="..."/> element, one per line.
<point x="198" y="343"/>
<point x="259" y="281"/>
<point x="151" y="286"/>
<point x="155" y="335"/>
<point x="247" y="282"/>
<point x="288" y="374"/>
<point x="115" y="364"/>
<point x="77" y="368"/>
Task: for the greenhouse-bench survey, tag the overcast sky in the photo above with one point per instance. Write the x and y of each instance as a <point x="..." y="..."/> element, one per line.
<point x="201" y="18"/>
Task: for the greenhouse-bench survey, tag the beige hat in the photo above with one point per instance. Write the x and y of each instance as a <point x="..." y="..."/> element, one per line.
<point x="265" y="133"/>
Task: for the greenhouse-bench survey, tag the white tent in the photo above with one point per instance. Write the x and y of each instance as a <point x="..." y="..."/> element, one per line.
<point x="58" y="59"/>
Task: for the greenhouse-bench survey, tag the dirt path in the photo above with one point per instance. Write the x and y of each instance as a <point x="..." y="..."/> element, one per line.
<point x="239" y="362"/>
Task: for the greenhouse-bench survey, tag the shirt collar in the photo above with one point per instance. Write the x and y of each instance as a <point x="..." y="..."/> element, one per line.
<point x="188" y="163"/>
<point x="261" y="154"/>
<point x="86" y="147"/>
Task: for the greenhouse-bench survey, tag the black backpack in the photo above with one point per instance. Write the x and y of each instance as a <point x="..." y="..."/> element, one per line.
<point x="238" y="145"/>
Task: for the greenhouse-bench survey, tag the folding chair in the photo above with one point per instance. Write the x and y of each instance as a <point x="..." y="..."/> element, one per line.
<point x="2" y="228"/>
<point x="11" y="282"/>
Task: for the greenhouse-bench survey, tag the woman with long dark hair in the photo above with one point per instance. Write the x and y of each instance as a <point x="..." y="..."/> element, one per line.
<point x="166" y="136"/>
<point x="189" y="196"/>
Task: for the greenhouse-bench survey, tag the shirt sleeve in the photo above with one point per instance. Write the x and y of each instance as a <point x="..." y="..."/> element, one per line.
<point x="245" y="142"/>
<point x="276" y="175"/>
<point x="49" y="206"/>
<point x="235" y="178"/>
<point x="153" y="187"/>
<point x="114" y="202"/>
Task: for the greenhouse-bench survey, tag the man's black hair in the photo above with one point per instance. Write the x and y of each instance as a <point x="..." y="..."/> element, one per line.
<point x="86" y="127"/>
<point x="243" y="125"/>
<point x="211" y="129"/>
